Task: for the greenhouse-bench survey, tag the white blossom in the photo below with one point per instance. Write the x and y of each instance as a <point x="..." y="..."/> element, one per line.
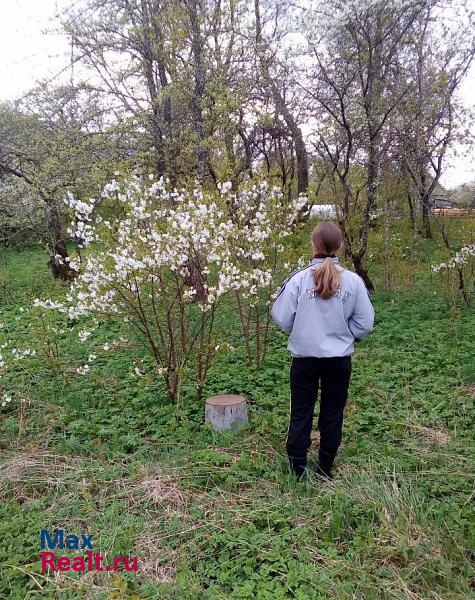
<point x="21" y="354"/>
<point x="6" y="399"/>
<point x="84" y="334"/>
<point x="459" y="259"/>
<point x="49" y="304"/>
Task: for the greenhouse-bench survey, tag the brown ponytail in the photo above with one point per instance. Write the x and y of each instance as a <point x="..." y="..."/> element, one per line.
<point x="327" y="239"/>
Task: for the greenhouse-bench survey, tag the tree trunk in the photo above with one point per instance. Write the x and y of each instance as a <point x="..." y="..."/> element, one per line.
<point x="59" y="252"/>
<point x="149" y="69"/>
<point x="387" y="250"/>
<point x="362" y="272"/>
<point x="198" y="92"/>
<point x="415" y="237"/>
<point x="297" y="137"/>
<point x="425" y="203"/>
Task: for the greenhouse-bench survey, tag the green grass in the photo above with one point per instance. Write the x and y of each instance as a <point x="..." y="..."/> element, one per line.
<point x="217" y="516"/>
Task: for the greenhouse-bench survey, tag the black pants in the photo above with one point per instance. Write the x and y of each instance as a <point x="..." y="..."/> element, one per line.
<point x="333" y="375"/>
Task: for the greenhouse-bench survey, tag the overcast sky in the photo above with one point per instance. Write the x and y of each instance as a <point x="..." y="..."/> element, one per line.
<point x="30" y="49"/>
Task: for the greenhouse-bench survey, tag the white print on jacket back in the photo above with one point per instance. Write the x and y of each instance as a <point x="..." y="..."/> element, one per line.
<point x="338" y="294"/>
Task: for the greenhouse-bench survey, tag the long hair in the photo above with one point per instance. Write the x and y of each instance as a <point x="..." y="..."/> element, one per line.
<point x="327" y="239"/>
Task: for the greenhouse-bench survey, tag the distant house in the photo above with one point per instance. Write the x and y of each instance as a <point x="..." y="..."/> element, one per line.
<point x="440" y="201"/>
<point x="439" y="198"/>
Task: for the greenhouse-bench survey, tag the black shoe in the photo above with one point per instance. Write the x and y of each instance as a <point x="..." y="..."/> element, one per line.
<point x="323" y="472"/>
<point x="325" y="464"/>
<point x="297" y="466"/>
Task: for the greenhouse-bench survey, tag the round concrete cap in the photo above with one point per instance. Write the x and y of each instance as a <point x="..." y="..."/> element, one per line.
<point x="225" y="400"/>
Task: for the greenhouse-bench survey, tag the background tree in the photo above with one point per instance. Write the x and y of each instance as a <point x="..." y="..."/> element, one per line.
<point x="280" y="85"/>
<point x="438" y="54"/>
<point x="54" y="142"/>
<point x="21" y="213"/>
<point x="352" y="87"/>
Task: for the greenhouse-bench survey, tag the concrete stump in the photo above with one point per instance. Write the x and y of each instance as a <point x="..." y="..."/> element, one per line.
<point x="226" y="412"/>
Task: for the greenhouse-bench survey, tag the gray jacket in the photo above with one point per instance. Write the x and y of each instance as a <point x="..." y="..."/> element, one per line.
<point x="318" y="327"/>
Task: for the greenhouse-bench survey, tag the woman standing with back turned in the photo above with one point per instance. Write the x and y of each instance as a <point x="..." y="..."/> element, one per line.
<point x="325" y="308"/>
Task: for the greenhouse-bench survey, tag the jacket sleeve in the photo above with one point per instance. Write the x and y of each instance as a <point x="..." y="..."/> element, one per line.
<point x="362" y="320"/>
<point x="285" y="305"/>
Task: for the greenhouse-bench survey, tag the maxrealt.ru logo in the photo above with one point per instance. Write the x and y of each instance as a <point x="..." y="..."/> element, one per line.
<point x="93" y="561"/>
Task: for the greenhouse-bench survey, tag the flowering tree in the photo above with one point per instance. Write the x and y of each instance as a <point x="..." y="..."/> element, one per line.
<point x="462" y="263"/>
<point x="54" y="141"/>
<point x="168" y="261"/>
